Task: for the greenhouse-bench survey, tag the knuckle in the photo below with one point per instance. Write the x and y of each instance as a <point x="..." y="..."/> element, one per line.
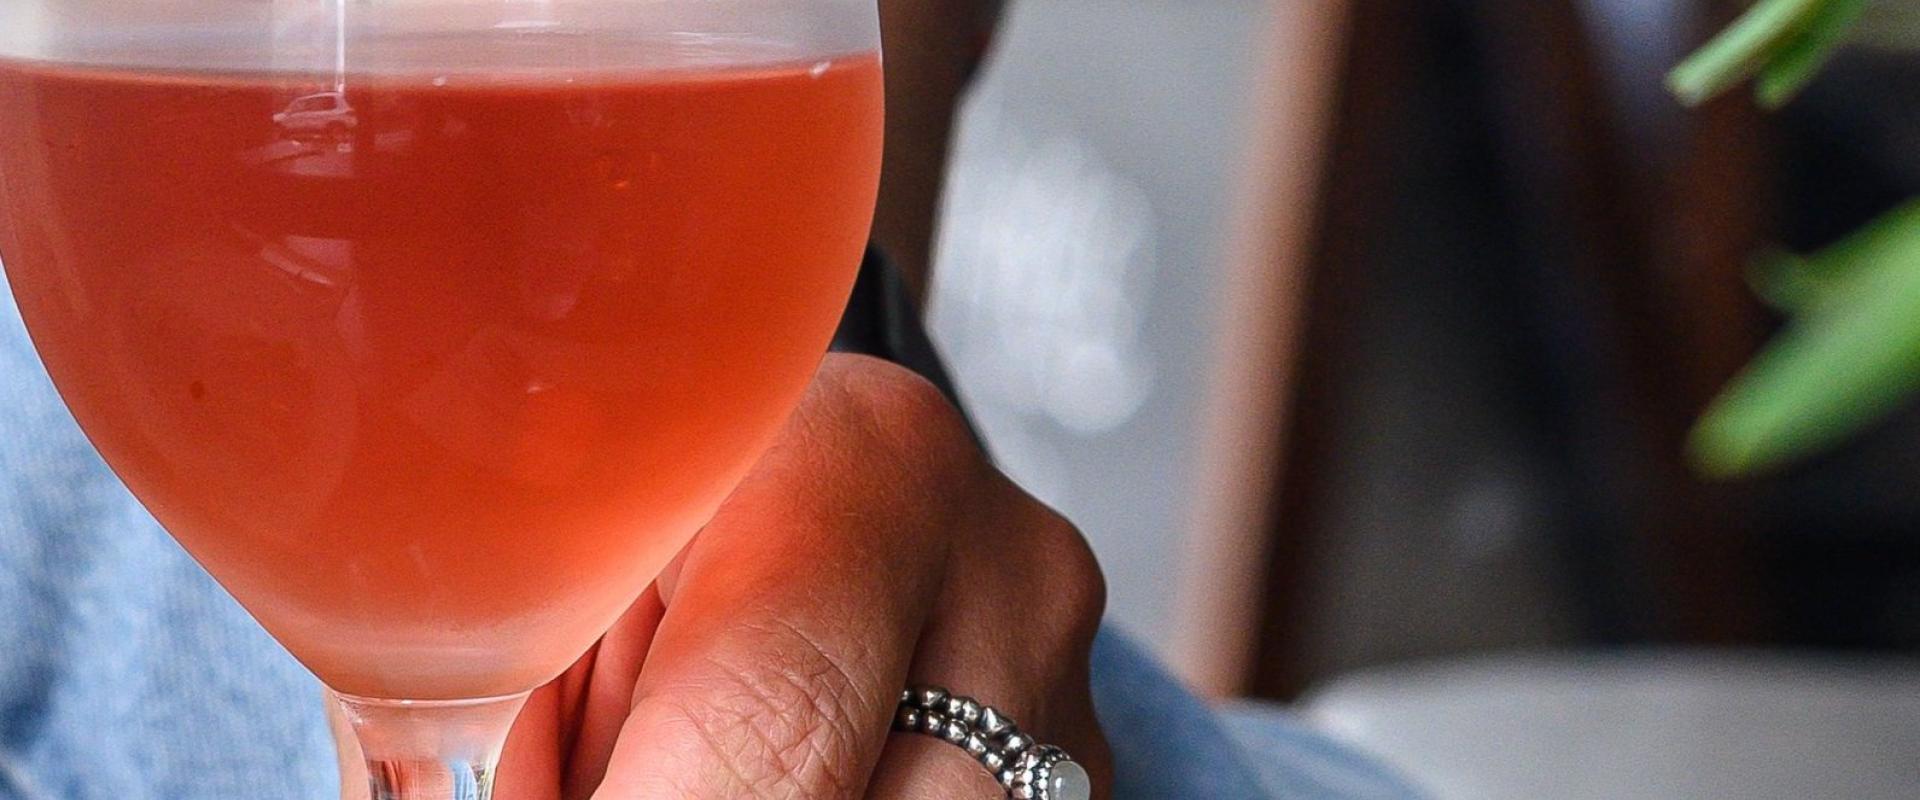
<point x="892" y="407"/>
<point x="1079" y="586"/>
<point x="1056" y="558"/>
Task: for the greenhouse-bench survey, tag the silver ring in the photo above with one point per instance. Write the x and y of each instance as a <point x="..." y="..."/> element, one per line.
<point x="1027" y="769"/>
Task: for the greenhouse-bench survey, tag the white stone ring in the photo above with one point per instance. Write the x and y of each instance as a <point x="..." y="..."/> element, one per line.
<point x="1026" y="769"/>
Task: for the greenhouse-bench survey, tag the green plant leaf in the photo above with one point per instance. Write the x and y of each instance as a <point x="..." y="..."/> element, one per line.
<point x="1785" y="281"/>
<point x="1795" y="284"/>
<point x="1852" y="356"/>
<point x="1740" y="50"/>
<point x="1799" y="59"/>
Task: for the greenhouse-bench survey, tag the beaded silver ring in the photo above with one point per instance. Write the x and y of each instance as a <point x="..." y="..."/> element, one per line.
<point x="1027" y="769"/>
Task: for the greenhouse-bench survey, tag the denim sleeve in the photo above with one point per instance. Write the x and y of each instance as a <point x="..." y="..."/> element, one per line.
<point x="1168" y="744"/>
<point x="125" y="672"/>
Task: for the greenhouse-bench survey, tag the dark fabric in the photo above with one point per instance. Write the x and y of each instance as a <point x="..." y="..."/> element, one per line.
<point x="882" y="321"/>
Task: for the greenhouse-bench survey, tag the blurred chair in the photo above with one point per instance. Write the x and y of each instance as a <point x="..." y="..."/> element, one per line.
<point x="1651" y="212"/>
<point x="1225" y="581"/>
<point x="1632" y="235"/>
<point x="1635" y="220"/>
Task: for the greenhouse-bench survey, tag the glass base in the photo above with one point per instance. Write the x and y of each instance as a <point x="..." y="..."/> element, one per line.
<point x="431" y="749"/>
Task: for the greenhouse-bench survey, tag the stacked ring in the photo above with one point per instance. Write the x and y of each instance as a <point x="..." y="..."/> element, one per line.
<point x="1027" y="769"/>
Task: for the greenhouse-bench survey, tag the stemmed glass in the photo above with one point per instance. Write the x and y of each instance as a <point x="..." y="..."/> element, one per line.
<point x="434" y="328"/>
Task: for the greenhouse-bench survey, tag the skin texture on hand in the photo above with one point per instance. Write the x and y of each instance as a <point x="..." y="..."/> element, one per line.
<point x="872" y="547"/>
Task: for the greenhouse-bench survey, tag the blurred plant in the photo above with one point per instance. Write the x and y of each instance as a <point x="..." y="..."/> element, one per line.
<point x="1850" y="352"/>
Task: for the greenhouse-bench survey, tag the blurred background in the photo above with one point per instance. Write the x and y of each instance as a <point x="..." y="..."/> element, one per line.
<point x="1364" y="337"/>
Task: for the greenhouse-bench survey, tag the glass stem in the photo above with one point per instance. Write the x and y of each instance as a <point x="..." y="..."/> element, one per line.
<point x="431" y="749"/>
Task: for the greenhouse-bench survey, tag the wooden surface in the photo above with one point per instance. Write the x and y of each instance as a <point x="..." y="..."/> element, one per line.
<point x="1223" y="579"/>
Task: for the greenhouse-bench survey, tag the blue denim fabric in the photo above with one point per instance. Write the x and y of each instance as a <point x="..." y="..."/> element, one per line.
<point x="1167" y="744"/>
<point x="1296" y="762"/>
<point x="127" y="674"/>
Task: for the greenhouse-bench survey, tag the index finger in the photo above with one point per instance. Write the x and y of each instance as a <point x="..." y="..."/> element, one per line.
<point x="791" y="625"/>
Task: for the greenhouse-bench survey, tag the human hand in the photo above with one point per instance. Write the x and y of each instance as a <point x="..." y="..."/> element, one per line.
<point x="872" y="547"/>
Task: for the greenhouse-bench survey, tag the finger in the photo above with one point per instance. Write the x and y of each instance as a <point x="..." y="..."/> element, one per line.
<point x="609" y="695"/>
<point x="560" y="743"/>
<point x="791" y="622"/>
<point x="918" y="767"/>
<point x="1016" y="634"/>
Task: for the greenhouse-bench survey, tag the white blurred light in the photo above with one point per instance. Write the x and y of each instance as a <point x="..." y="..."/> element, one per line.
<point x="1044" y="257"/>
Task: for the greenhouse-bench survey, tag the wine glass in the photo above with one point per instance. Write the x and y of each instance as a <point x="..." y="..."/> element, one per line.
<point x="433" y="329"/>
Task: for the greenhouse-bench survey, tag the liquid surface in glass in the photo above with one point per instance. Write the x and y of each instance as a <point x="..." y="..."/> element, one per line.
<point x="434" y="371"/>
